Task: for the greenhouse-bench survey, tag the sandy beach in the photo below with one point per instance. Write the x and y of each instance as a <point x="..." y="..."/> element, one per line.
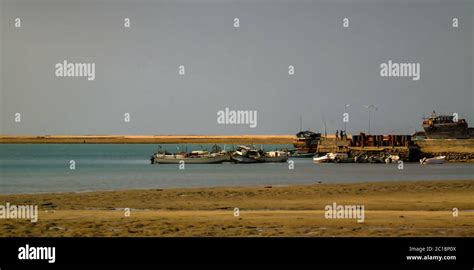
<point x="153" y="139"/>
<point x="422" y="208"/>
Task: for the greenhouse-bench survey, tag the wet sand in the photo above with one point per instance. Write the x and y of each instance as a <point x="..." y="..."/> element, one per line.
<point x="391" y="209"/>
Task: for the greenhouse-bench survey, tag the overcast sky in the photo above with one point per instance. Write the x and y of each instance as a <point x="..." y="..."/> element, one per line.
<point x="243" y="68"/>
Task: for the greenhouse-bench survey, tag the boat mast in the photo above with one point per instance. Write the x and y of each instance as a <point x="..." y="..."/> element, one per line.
<point x="301" y="122"/>
<point x="325" y="133"/>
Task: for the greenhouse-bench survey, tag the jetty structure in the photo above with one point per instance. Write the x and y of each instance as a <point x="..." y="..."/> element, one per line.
<point x="354" y="145"/>
<point x="443" y="135"/>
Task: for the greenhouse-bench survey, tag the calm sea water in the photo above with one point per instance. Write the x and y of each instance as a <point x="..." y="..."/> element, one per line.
<point x="45" y="168"/>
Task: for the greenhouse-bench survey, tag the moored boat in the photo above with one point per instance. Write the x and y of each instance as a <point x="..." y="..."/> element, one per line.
<point x="246" y="154"/>
<point x="275" y="156"/>
<point x="321" y="159"/>
<point x="446" y="127"/>
<point x="194" y="157"/>
<point x="332" y="157"/>
<point x="392" y="159"/>
<point x="435" y="160"/>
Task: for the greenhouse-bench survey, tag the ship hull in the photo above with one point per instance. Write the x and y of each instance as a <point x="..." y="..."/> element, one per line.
<point x="243" y="159"/>
<point x="275" y="159"/>
<point x="446" y="132"/>
<point x="305" y="155"/>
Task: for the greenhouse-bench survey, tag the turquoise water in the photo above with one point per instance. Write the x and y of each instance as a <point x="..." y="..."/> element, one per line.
<point x="33" y="168"/>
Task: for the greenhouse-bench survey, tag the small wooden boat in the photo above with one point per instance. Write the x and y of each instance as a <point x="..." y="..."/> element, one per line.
<point x="375" y="159"/>
<point x="321" y="159"/>
<point x="246" y="154"/>
<point x="392" y="159"/>
<point x="177" y="159"/>
<point x="276" y="156"/>
<point x="435" y="160"/>
<point x="195" y="157"/>
<point x="332" y="157"/>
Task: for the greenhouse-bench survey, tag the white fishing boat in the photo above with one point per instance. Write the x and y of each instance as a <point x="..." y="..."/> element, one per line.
<point x="392" y="159"/>
<point x="192" y="158"/>
<point x="435" y="160"/>
<point x="246" y="154"/>
<point x="321" y="159"/>
<point x="276" y="156"/>
<point x="331" y="157"/>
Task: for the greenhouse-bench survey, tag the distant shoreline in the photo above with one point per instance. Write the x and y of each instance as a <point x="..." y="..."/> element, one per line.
<point x="151" y="139"/>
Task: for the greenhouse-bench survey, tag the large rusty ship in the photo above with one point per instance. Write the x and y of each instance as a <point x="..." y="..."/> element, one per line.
<point x="446" y="127"/>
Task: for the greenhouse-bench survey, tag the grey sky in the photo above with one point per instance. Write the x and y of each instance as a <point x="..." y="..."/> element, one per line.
<point x="242" y="68"/>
